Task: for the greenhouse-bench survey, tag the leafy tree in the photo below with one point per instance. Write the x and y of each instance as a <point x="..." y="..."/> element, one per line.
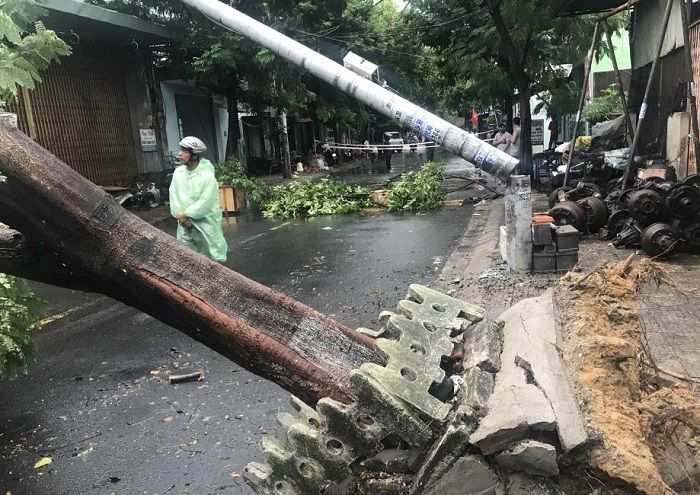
<point x="419" y="191"/>
<point x="19" y="317"/>
<point x="26" y="47"/>
<point x="498" y="48"/>
<point x="223" y="62"/>
<point x="604" y="107"/>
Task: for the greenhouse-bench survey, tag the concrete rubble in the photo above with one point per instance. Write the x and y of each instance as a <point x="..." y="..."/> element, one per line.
<point x="532" y="457"/>
<point x="470" y="475"/>
<point x="532" y="393"/>
<point x="513" y="416"/>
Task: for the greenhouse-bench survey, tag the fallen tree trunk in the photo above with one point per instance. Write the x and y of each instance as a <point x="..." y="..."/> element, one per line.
<point x="76" y="235"/>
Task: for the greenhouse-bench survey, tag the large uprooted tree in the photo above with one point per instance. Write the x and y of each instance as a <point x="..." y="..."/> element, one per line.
<point x="26" y="49"/>
<point x="73" y="234"/>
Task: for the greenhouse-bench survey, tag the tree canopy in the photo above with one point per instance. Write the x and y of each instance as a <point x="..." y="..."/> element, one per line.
<point x="498" y="50"/>
<point x="445" y="55"/>
<point x="26" y="47"/>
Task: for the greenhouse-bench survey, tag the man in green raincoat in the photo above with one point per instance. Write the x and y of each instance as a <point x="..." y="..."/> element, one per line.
<point x="194" y="201"/>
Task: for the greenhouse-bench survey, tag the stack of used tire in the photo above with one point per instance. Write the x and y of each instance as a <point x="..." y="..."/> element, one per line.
<point x="660" y="215"/>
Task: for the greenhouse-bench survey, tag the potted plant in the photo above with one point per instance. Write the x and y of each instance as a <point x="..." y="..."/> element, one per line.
<point x="236" y="187"/>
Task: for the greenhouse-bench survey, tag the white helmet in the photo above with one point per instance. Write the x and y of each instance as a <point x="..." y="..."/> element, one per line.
<point x="193" y="145"/>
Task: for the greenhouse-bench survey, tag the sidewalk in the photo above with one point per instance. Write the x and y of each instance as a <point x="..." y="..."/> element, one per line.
<point x="668" y="324"/>
<point x="669" y="316"/>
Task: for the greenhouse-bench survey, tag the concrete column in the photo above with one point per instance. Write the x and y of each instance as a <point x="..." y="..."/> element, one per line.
<point x="518" y="203"/>
<point x="284" y="144"/>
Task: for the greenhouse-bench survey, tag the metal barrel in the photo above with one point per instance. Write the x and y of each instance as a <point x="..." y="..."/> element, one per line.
<point x="490" y="159"/>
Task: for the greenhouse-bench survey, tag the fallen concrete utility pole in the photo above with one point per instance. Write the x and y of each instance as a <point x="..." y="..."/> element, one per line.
<point x="76" y="235"/>
<point x="438" y="400"/>
<point x="481" y="154"/>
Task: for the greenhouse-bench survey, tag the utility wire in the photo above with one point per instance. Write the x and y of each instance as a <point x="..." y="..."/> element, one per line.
<point x="346" y="42"/>
<point x="395" y="32"/>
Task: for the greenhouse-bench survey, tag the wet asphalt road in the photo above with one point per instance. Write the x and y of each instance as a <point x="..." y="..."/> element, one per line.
<point x="98" y="400"/>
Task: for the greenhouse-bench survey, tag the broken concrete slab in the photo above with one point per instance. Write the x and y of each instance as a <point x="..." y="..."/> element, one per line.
<point x="531" y="457"/>
<point x="532" y="391"/>
<point x="446" y="450"/>
<point x="482" y="346"/>
<point x="547" y="370"/>
<point x="515" y="412"/>
<point x="533" y="321"/>
<point x="414" y="364"/>
<point x="441" y="311"/>
<point x="478" y="387"/>
<point x="521" y="484"/>
<point x="470" y="475"/>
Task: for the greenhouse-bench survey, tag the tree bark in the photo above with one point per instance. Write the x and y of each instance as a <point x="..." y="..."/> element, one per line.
<point x="74" y="230"/>
<point x="525" y="132"/>
<point x="516" y="71"/>
<point x="17" y="259"/>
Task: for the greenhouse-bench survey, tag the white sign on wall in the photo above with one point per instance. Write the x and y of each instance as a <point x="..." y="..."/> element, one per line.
<point x="148" y="140"/>
<point x="537" y="131"/>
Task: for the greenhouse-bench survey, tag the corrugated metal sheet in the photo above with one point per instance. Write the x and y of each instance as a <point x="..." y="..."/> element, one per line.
<point x="667" y="96"/>
<point x="80" y="113"/>
<point x="646" y="31"/>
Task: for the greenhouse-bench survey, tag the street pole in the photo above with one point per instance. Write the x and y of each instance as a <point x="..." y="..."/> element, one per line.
<point x="518" y="208"/>
<point x="694" y="135"/>
<point x="581" y="101"/>
<point x="284" y="143"/>
<point x="620" y="87"/>
<point x="647" y="91"/>
<point x="490" y="159"/>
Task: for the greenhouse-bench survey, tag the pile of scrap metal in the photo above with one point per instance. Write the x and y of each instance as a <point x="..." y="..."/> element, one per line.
<point x="657" y="213"/>
<point x="598" y="160"/>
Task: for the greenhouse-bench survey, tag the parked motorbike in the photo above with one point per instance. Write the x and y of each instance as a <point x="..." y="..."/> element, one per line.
<point x="142" y="196"/>
<point x="329" y="155"/>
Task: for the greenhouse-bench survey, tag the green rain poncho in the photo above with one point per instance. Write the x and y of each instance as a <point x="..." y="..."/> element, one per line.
<point x="196" y="194"/>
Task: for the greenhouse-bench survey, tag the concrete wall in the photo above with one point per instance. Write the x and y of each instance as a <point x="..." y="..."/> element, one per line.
<point x="141" y="111"/>
<point x="677" y="132"/>
<point x="647" y="26"/>
<point x="172" y="131"/>
<point x="621" y="45"/>
<point x="221" y="123"/>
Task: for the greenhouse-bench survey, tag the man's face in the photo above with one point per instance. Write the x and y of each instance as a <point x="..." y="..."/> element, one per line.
<point x="184" y="155"/>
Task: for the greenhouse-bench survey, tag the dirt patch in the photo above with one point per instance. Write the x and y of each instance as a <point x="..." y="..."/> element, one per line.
<point x="603" y="350"/>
